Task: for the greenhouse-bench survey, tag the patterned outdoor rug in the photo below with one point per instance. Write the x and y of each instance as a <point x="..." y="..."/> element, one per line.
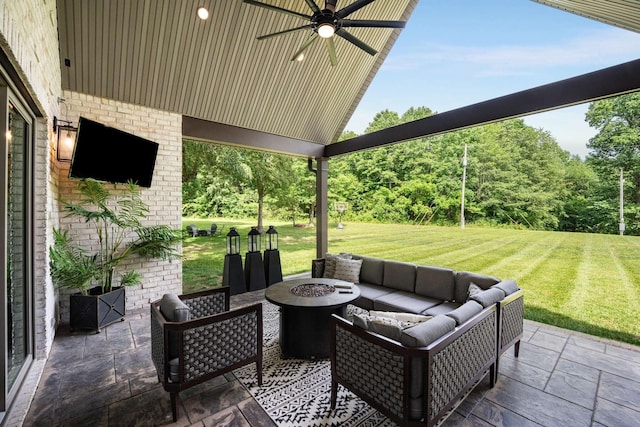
<point x="296" y="393"/>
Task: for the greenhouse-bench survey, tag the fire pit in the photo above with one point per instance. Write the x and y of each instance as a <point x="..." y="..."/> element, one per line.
<point x="312" y="290"/>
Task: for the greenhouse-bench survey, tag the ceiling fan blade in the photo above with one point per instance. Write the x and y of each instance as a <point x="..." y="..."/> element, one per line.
<point x="372" y="23"/>
<point x="356" y="41"/>
<point x="277" y="9"/>
<point x="331" y="47"/>
<point x="305" y="45"/>
<point x="314" y="7"/>
<point x="266" y="36"/>
<point x="348" y="10"/>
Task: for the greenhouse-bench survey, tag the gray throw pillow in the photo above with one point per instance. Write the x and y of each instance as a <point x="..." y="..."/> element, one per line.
<point x="330" y="264"/>
<point x="348" y="270"/>
<point x="507" y="286"/>
<point x="427" y="332"/>
<point x="489" y="297"/>
<point x="473" y="290"/>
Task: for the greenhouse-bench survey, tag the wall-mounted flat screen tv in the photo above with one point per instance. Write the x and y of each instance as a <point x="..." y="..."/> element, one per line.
<point x="108" y="154"/>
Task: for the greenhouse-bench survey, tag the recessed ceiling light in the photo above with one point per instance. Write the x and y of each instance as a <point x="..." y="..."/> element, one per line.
<point x="203" y="13"/>
<point x="300" y="57"/>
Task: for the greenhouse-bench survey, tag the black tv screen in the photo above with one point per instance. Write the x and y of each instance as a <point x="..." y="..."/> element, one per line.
<point x="108" y="154"/>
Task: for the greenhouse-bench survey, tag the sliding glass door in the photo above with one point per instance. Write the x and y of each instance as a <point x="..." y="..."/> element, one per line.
<point x="16" y="256"/>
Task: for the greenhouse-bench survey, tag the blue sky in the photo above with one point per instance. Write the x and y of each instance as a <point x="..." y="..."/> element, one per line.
<point x="458" y="52"/>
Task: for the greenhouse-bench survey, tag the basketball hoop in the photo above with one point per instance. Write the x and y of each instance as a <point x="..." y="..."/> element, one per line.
<point x="341" y="207"/>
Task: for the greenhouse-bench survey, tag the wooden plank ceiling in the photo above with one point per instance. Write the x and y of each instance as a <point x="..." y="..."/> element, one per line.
<point x="620" y="13"/>
<point x="158" y="54"/>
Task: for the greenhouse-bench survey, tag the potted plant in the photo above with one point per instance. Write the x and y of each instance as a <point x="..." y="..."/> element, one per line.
<point x="120" y="236"/>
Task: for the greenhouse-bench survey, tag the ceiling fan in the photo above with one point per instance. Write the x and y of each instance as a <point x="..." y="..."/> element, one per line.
<point x="327" y="22"/>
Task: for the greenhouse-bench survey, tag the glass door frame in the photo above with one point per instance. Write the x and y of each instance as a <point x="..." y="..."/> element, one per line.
<point x="7" y="96"/>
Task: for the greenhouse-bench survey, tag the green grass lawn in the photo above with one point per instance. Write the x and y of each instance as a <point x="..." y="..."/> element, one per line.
<point x="584" y="282"/>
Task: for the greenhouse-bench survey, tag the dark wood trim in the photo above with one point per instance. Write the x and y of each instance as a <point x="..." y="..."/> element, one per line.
<point x="588" y="87"/>
<point x="204" y="130"/>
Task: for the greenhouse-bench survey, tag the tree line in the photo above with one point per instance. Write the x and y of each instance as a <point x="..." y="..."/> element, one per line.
<point x="516" y="176"/>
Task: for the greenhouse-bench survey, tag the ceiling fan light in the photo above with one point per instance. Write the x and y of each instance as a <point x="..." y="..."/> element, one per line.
<point x="326" y="30"/>
<point x="203" y="13"/>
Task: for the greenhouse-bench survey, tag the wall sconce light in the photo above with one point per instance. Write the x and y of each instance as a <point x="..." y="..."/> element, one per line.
<point x="66" y="135"/>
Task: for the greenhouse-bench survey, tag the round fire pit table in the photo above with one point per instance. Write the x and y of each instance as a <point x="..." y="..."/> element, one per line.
<point x="306" y="306"/>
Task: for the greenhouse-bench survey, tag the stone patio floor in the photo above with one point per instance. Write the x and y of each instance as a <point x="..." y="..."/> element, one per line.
<point x="562" y="378"/>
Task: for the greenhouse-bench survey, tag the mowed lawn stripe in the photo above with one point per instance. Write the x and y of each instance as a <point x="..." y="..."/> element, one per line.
<point x="535" y="249"/>
<point x="625" y="288"/>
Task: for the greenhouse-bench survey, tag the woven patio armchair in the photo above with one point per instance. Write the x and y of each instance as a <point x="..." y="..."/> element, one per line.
<point x="196" y="337"/>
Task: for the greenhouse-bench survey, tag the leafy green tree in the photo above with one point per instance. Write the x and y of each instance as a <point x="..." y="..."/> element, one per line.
<point x="617" y="144"/>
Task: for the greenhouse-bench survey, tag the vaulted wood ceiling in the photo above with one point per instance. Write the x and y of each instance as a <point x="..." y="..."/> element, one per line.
<point x="620" y="13"/>
<point x="159" y="54"/>
<point x="233" y="88"/>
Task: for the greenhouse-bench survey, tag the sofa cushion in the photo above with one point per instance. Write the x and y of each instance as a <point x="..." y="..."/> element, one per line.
<point x="489" y="297"/>
<point x="507" y="286"/>
<point x="444" y="308"/>
<point x="464" y="278"/>
<point x="330" y="264"/>
<point x="385" y="326"/>
<point x="399" y="275"/>
<point x="372" y="270"/>
<point x="465" y="312"/>
<point x="348" y="270"/>
<point x="369" y="293"/>
<point x="404" y="301"/>
<point x="406" y="319"/>
<point x="435" y="282"/>
<point x="473" y="290"/>
<point x="425" y="333"/>
<point x="174" y="310"/>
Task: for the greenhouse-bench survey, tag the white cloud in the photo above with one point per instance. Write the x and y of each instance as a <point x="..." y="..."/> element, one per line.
<point x="606" y="47"/>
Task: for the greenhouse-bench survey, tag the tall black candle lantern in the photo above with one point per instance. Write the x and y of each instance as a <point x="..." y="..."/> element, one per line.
<point x="253" y="266"/>
<point x="232" y="275"/>
<point x="272" y="267"/>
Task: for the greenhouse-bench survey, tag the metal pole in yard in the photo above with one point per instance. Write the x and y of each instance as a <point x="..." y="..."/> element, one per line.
<point x="464" y="180"/>
<point x="621" y="203"/>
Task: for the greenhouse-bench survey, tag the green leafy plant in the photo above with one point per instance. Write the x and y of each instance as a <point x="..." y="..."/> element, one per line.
<point x="120" y="236"/>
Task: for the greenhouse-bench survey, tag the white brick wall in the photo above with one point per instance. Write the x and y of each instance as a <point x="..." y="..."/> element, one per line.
<point x="28" y="36"/>
<point x="164" y="197"/>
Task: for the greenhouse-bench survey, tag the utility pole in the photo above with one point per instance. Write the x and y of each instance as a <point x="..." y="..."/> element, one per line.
<point x="621" y="203"/>
<point x="464" y="181"/>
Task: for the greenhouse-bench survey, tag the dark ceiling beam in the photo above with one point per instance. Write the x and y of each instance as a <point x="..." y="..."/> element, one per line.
<point x="588" y="87"/>
<point x="204" y="130"/>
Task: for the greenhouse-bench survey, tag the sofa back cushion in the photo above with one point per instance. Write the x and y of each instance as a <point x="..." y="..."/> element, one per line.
<point x="488" y="297"/>
<point x="427" y="332"/>
<point x="464" y="278"/>
<point x="435" y="282"/>
<point x="507" y="286"/>
<point x="399" y="275"/>
<point x="372" y="270"/>
<point x="465" y="312"/>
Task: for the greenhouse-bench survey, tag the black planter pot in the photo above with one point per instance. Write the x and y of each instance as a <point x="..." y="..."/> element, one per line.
<point x="96" y="310"/>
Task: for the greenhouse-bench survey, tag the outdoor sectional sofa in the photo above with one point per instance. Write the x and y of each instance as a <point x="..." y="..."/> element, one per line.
<point x="417" y="375"/>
